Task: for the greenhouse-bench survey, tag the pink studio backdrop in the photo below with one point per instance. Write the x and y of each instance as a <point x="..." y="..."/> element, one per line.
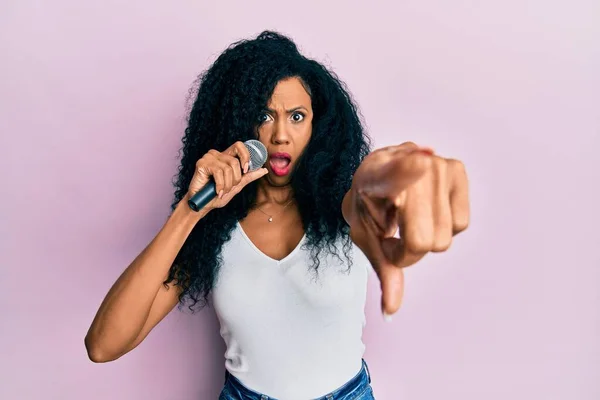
<point x="92" y="108"/>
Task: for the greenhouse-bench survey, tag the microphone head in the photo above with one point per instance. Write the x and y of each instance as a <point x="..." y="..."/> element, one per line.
<point x="258" y="154"/>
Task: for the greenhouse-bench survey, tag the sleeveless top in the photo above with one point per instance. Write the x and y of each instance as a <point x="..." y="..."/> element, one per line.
<point x="291" y="332"/>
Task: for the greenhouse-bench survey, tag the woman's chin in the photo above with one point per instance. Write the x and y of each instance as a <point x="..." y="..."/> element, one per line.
<point x="278" y="181"/>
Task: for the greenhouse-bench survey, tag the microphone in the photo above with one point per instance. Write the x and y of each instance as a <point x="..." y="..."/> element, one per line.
<point x="258" y="158"/>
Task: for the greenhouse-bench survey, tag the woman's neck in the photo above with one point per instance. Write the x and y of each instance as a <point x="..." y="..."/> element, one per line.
<point x="267" y="193"/>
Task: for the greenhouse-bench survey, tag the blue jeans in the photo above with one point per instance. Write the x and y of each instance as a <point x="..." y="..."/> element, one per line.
<point x="357" y="388"/>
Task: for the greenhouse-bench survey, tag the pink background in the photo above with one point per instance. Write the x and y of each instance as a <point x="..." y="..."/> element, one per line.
<point x="92" y="102"/>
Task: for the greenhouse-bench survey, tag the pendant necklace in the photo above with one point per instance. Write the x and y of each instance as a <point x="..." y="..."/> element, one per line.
<point x="271" y="216"/>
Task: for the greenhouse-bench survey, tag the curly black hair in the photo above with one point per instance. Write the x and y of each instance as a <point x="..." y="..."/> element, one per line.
<point x="231" y="95"/>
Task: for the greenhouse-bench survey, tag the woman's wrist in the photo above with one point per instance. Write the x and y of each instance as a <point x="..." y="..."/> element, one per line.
<point x="184" y="214"/>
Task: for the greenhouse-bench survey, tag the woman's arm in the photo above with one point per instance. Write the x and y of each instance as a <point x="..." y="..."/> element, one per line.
<point x="138" y="300"/>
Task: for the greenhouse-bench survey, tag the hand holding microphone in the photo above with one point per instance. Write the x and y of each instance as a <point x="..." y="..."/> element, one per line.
<point x="221" y="175"/>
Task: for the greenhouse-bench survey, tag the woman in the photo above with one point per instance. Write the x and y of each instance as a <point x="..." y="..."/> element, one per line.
<point x="283" y="251"/>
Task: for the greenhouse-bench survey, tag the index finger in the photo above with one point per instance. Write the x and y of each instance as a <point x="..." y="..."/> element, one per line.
<point x="239" y="150"/>
<point x="391" y="277"/>
<point x="459" y="196"/>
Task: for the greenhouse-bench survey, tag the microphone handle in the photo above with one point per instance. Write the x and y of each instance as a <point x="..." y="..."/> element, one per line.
<point x="203" y="196"/>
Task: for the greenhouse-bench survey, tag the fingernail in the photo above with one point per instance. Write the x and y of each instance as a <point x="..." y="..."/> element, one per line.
<point x="221" y="194"/>
<point x="387" y="317"/>
<point x="246" y="167"/>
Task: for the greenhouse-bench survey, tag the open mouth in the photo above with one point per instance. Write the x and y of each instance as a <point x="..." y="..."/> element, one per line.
<point x="280" y="163"/>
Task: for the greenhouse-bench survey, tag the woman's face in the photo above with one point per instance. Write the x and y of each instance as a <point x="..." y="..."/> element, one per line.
<point x="285" y="129"/>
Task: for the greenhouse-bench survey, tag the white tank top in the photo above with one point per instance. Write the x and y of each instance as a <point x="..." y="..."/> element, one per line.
<point x="290" y="334"/>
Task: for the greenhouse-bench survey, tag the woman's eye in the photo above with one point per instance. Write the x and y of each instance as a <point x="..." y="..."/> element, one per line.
<point x="264" y="118"/>
<point x="297" y="117"/>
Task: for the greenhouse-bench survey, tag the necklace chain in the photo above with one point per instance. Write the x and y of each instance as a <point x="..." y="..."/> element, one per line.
<point x="271" y="216"/>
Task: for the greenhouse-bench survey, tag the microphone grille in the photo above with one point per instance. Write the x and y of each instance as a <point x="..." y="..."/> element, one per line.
<point x="258" y="154"/>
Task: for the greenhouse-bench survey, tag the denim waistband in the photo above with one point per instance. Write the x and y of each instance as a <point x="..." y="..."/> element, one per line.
<point x="355" y="386"/>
